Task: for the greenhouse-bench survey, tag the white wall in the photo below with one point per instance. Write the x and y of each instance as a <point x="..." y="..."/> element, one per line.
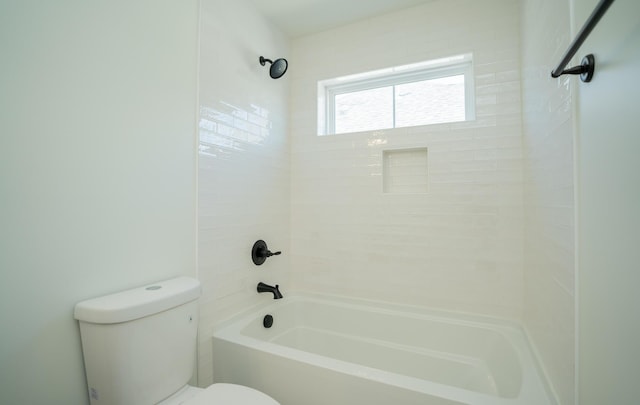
<point x="97" y="173"/>
<point x="460" y="245"/>
<point x="243" y="164"/>
<point x="548" y="130"/>
<point x="608" y="201"/>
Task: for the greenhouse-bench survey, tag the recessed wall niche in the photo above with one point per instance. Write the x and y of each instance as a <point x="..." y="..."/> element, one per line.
<point x="404" y="171"/>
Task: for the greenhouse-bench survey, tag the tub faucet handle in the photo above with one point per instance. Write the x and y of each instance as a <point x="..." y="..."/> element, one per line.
<point x="260" y="252"/>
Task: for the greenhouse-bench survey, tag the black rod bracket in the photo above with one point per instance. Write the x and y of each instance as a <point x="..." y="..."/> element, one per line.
<point x="585" y="69"/>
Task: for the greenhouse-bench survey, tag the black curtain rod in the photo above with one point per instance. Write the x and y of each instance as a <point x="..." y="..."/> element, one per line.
<point x="585" y="69"/>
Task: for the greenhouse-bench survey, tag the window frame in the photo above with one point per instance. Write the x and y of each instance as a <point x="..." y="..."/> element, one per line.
<point x="428" y="70"/>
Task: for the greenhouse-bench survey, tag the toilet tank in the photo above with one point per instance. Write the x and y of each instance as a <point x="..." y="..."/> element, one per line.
<point x="139" y="345"/>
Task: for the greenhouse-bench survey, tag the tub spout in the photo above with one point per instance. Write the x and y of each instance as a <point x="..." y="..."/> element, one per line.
<point x="262" y="287"/>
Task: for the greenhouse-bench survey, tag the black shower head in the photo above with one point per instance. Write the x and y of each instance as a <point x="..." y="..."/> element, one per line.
<point x="278" y="68"/>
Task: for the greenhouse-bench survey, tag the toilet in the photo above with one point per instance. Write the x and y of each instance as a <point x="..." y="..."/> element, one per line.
<point x="139" y="347"/>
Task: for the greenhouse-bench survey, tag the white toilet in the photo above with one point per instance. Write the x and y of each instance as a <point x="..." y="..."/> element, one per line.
<point x="139" y="348"/>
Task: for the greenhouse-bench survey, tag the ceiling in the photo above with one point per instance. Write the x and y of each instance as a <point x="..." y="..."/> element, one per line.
<point x="302" y="17"/>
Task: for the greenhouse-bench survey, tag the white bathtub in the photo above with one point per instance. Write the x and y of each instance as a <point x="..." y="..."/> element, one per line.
<point x="332" y="350"/>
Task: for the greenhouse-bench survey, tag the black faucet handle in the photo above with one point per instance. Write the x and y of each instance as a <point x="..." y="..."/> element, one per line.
<point x="260" y="252"/>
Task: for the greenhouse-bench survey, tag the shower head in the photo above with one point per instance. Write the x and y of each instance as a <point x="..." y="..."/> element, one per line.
<point x="278" y="68"/>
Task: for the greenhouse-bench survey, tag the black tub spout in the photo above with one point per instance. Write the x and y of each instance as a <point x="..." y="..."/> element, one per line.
<point x="262" y="287"/>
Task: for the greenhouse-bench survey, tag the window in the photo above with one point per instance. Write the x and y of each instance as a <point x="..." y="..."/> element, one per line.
<point x="424" y="93"/>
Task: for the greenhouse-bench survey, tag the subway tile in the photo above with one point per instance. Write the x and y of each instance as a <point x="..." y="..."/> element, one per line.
<point x="548" y="152"/>
<point x="244" y="163"/>
<point x="336" y="196"/>
<point x="463" y="238"/>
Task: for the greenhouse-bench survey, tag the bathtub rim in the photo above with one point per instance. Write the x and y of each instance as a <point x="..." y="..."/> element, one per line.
<point x="534" y="377"/>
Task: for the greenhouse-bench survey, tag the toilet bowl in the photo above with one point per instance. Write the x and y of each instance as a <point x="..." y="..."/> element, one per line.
<point x="131" y="338"/>
<point x="224" y="394"/>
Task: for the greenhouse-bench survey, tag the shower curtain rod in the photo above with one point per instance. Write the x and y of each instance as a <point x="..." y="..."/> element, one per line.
<point x="587" y="66"/>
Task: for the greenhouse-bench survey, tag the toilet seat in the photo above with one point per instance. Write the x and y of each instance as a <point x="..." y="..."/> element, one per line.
<point x="230" y="394"/>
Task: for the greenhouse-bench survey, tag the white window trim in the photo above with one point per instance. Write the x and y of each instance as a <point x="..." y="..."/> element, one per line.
<point x="455" y="65"/>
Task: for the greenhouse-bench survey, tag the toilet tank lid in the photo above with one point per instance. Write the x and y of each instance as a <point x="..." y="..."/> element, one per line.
<point x="138" y="302"/>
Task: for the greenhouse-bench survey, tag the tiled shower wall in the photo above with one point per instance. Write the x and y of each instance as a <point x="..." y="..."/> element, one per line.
<point x="243" y="164"/>
<point x="459" y="245"/>
<point x="549" y="191"/>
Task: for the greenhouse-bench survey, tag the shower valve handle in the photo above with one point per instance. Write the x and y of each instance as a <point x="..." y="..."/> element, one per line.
<point x="268" y="253"/>
<point x="260" y="252"/>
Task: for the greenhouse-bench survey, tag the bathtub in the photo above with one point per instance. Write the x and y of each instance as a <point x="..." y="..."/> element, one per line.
<point x="325" y="350"/>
